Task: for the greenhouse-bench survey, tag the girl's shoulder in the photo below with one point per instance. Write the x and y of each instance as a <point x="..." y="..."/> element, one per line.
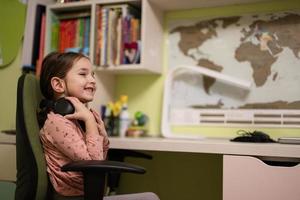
<point x="57" y="119"/>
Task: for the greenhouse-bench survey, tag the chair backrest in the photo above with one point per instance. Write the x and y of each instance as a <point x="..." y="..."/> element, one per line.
<point x="32" y="179"/>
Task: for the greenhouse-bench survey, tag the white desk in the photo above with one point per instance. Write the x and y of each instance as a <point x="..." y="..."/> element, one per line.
<point x="208" y="145"/>
<point x="273" y="182"/>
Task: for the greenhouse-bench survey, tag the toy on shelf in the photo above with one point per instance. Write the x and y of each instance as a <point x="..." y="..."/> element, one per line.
<point x="139" y="125"/>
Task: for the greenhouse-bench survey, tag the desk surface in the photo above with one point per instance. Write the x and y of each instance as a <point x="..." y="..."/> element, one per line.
<point x="208" y="145"/>
<point x="7" y="139"/>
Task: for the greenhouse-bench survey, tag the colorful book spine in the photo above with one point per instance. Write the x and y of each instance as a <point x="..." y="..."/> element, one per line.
<point x="42" y="46"/>
<point x="98" y="35"/>
<point x="71" y="32"/>
<point x="87" y="29"/>
<point x="103" y="61"/>
<point x="54" y="34"/>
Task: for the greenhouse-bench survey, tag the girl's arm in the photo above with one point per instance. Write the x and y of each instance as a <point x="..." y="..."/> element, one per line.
<point x="91" y="125"/>
<point x="64" y="135"/>
<point x="102" y="132"/>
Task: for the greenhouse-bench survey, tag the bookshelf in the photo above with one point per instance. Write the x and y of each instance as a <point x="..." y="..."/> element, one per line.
<point x="151" y="30"/>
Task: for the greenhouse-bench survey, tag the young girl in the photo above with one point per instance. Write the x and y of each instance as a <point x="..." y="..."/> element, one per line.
<point x="64" y="140"/>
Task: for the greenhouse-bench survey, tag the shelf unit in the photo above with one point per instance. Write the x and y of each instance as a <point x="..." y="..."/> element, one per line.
<point x="151" y="30"/>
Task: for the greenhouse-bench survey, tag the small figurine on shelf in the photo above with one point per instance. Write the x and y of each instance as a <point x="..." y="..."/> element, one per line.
<point x="139" y="125"/>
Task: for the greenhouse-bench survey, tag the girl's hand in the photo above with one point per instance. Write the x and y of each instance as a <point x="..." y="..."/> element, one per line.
<point x="81" y="111"/>
<point x="100" y="123"/>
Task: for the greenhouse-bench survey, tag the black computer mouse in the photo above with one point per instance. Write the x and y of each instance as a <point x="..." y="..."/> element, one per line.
<point x="255" y="136"/>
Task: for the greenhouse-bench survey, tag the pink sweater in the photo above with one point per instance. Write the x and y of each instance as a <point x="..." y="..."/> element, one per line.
<point x="64" y="141"/>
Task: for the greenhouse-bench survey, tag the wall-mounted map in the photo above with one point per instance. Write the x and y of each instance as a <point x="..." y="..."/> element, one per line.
<point x="263" y="49"/>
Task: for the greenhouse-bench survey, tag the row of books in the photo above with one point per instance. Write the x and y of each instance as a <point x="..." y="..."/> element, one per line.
<point x="71" y="33"/>
<point x="117" y="35"/>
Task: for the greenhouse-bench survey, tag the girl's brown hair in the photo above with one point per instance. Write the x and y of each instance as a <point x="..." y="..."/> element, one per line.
<point x="54" y="65"/>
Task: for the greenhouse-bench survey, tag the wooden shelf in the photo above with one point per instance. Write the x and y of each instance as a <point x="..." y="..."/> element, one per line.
<point x="70" y="6"/>
<point x="191" y="4"/>
<point x="127" y="69"/>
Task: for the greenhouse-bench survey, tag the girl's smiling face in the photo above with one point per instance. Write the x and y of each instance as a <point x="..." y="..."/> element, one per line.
<point x="80" y="81"/>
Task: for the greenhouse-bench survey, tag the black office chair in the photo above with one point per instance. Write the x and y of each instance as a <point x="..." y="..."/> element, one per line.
<point x="32" y="178"/>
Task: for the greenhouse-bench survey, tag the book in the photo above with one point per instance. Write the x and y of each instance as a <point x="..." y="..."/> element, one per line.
<point x="98" y="35"/>
<point x="54" y="34"/>
<point x="119" y="41"/>
<point x="112" y="39"/>
<point x="41" y="46"/>
<point x="40" y="9"/>
<point x="86" y="34"/>
<point x="103" y="61"/>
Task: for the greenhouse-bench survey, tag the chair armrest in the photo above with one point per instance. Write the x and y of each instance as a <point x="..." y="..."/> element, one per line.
<point x="102" y="166"/>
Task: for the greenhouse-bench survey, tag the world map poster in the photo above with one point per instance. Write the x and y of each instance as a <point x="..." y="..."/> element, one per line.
<point x="263" y="49"/>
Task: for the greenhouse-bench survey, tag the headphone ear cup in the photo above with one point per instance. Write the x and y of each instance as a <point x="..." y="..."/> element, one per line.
<point x="63" y="107"/>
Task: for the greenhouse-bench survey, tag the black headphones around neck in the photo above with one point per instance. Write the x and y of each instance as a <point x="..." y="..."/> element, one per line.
<point x="61" y="106"/>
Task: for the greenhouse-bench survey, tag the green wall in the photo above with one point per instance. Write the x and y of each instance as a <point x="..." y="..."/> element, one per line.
<point x="8" y="87"/>
<point x="174" y="176"/>
<point x="11" y="34"/>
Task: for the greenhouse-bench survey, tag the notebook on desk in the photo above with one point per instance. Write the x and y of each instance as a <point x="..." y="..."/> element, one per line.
<point x="289" y="140"/>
